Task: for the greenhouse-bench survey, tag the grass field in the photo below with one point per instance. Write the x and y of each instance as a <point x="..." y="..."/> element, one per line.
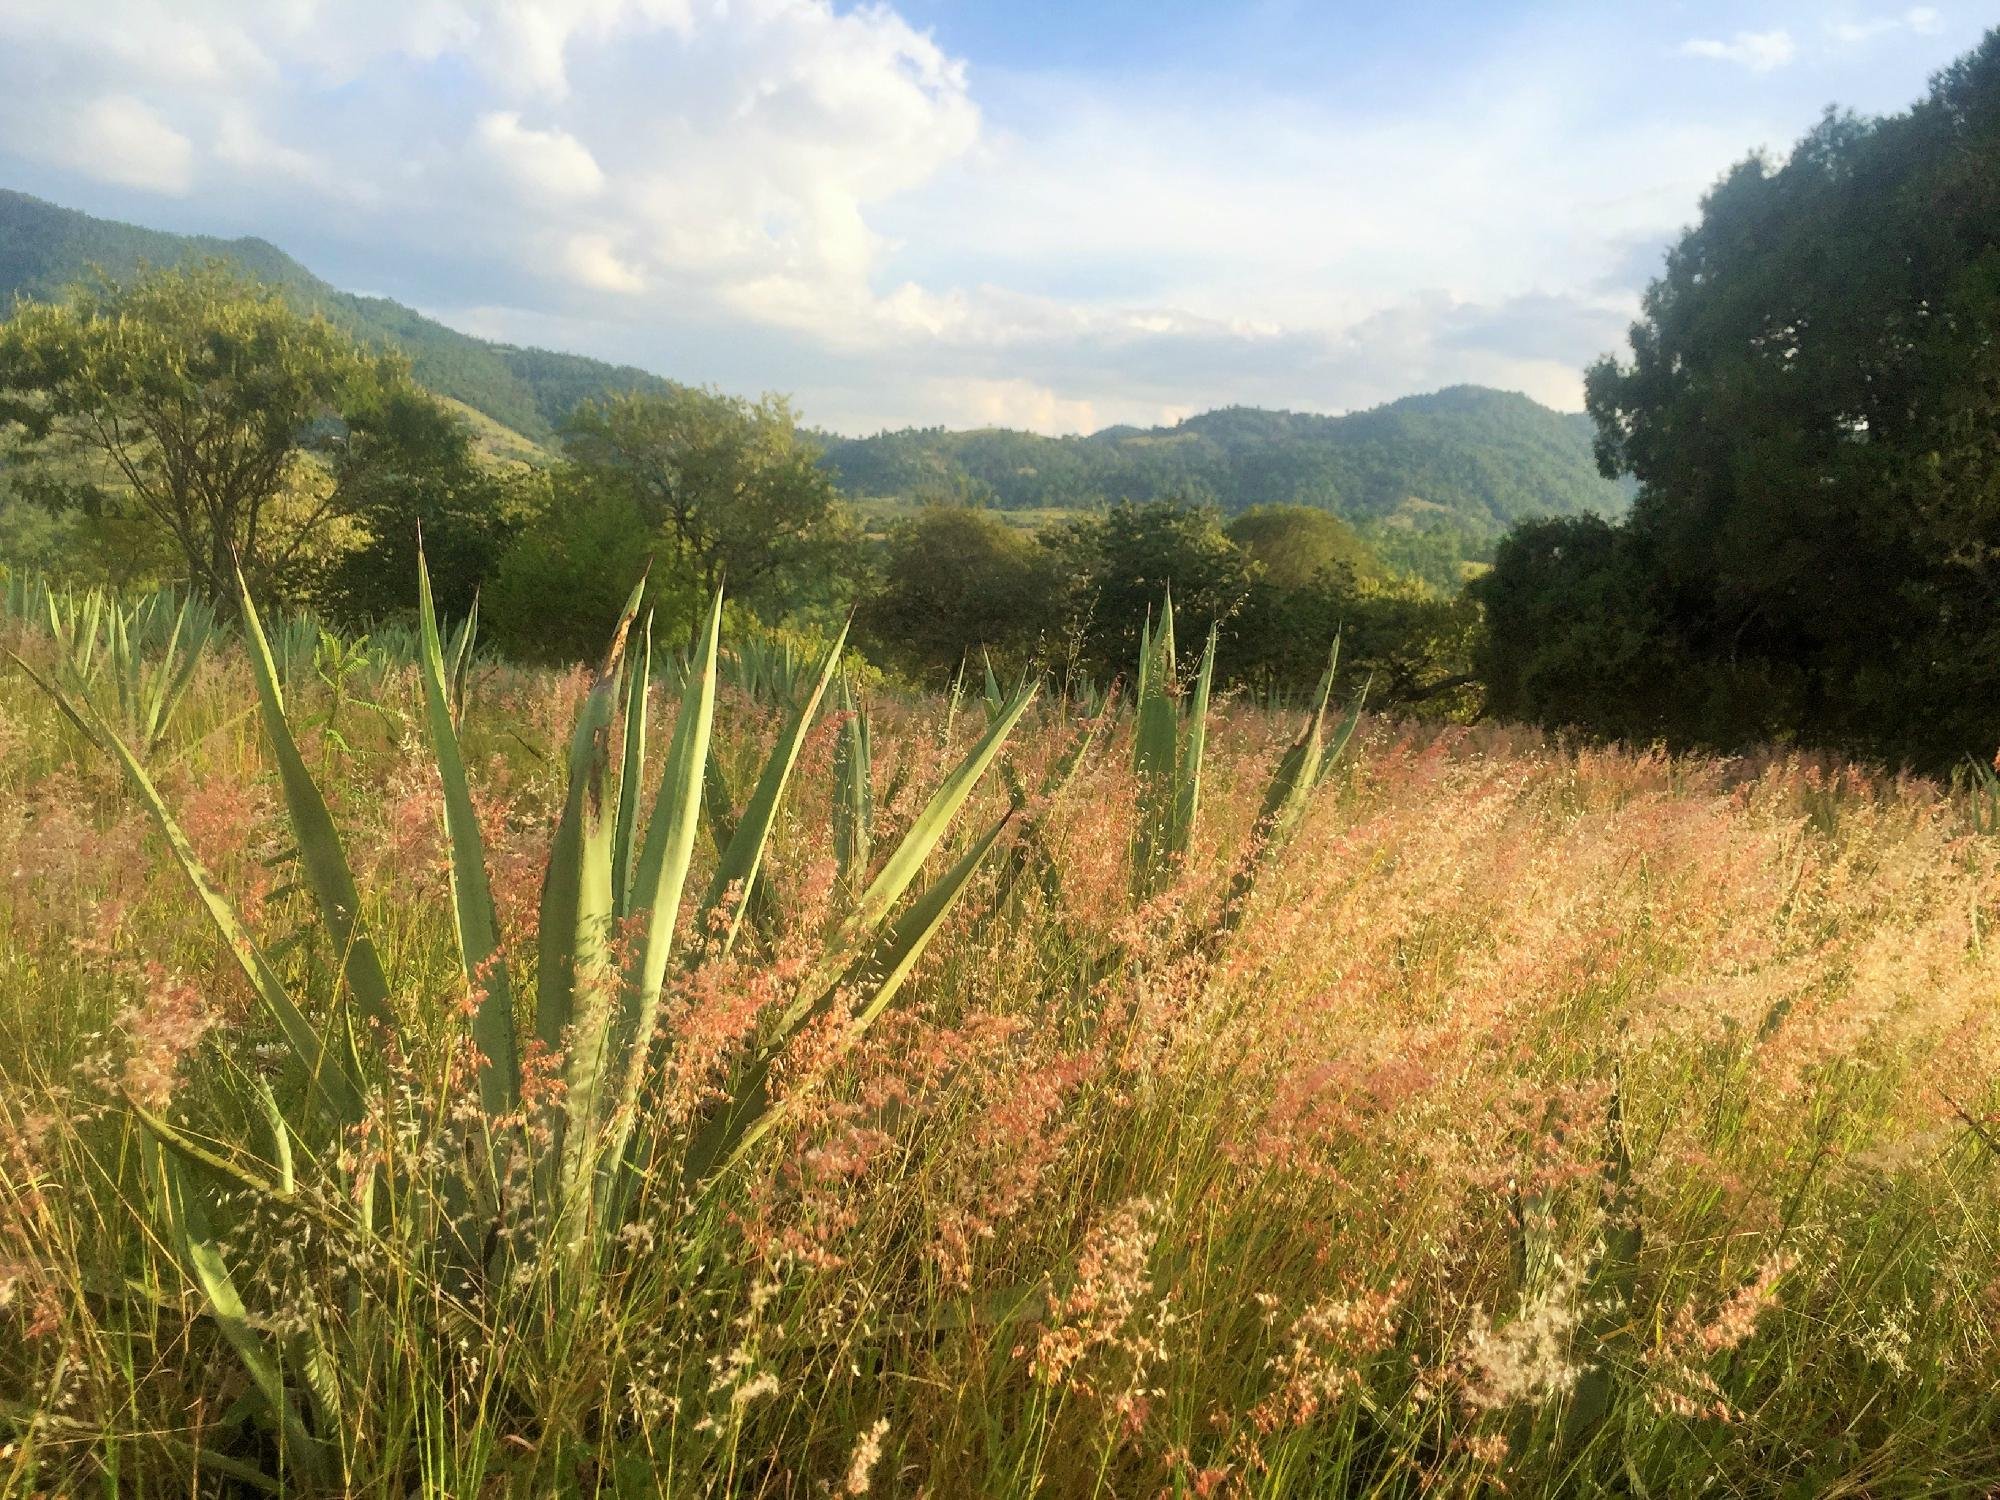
<point x="1568" y="1121"/>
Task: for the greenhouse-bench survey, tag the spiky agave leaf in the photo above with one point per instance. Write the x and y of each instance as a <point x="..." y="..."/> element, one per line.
<point x="930" y="825"/>
<point x="186" y="1221"/>
<point x="321" y="857"/>
<point x="879" y="974"/>
<point x="639" y="682"/>
<point x="1155" y="754"/>
<point x="473" y="919"/>
<point x="853" y="793"/>
<point x="661" y="877"/>
<point x="743" y="856"/>
<point x="332" y="1071"/>
<point x="1193" y="749"/>
<point x="577" y="973"/>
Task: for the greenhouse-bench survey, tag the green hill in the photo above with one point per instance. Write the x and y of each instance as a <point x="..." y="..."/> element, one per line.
<point x="1487" y="457"/>
<point x="44" y="248"/>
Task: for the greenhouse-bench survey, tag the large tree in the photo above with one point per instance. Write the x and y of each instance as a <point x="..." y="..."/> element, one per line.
<point x="731" y="487"/>
<point x="205" y="407"/>
<point x="955" y="580"/>
<point x="409" y="465"/>
<point x="1121" y="562"/>
<point x="1812" y="410"/>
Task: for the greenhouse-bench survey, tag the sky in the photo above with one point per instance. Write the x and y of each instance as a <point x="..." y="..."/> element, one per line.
<point x="1027" y="213"/>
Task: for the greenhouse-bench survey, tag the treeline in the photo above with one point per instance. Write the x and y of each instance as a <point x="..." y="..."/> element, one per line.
<point x="187" y="423"/>
<point x="1811" y="408"/>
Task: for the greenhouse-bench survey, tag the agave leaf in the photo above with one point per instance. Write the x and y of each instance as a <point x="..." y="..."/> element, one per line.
<point x="321" y="856"/>
<point x="462" y="643"/>
<point x="1187" y="795"/>
<point x="333" y="1078"/>
<point x="664" y="863"/>
<point x="995" y="700"/>
<point x="631" y="778"/>
<point x="853" y="800"/>
<point x="473" y="919"/>
<point x="1338" y="744"/>
<point x="577" y="975"/>
<point x="733" y="1131"/>
<point x="743" y="857"/>
<point x="930" y="825"/>
<point x="1155" y="753"/>
<point x="195" y="1241"/>
<point x="191" y="1151"/>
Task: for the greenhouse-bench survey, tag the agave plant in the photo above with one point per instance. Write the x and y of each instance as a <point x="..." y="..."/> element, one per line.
<point x="615" y="868"/>
<point x="135" y="661"/>
<point x="1170" y="744"/>
<point x="1167" y="753"/>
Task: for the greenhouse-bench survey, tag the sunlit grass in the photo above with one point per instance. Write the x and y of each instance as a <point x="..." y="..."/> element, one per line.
<point x="1569" y="1120"/>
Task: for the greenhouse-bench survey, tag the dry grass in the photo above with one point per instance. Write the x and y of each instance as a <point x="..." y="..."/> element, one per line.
<point x="1567" y="1121"/>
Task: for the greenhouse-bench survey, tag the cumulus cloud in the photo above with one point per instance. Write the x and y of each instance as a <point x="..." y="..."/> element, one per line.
<point x="548" y="163"/>
<point x="1759" y="51"/>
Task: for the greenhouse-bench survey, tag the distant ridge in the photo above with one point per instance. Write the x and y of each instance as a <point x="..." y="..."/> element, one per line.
<point x="1486" y="458"/>
<point x="45" y="247"/>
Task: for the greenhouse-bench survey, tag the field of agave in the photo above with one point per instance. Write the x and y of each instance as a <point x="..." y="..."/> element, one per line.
<point x="709" y="1075"/>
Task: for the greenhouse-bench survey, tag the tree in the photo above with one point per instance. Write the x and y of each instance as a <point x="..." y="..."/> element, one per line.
<point x="560" y="586"/>
<point x="1121" y="561"/>
<point x="957" y="580"/>
<point x="1297" y="543"/>
<point x="1811" y="408"/>
<point x="200" y="404"/>
<point x="409" y="463"/>
<point x="730" y="487"/>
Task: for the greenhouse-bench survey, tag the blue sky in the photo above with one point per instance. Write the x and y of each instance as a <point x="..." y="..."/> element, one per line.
<point x="962" y="211"/>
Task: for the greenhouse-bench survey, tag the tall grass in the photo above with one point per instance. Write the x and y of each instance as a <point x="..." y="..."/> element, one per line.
<point x="499" y="1091"/>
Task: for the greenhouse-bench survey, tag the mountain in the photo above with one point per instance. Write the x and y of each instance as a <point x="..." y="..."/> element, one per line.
<point x="44" y="248"/>
<point x="1487" y="457"/>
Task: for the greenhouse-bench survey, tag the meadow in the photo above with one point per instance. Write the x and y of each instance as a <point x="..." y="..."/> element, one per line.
<point x="1019" y="1093"/>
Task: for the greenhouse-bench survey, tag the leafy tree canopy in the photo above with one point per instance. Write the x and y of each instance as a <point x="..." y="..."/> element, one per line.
<point x="207" y="409"/>
<point x="1811" y="408"/>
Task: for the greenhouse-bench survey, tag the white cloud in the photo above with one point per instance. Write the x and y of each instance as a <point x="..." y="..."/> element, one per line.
<point x="1919" y="21"/>
<point x="117" y="138"/>
<point x="818" y="196"/>
<point x="595" y="262"/>
<point x="1759" y="51"/>
<point x="549" y="163"/>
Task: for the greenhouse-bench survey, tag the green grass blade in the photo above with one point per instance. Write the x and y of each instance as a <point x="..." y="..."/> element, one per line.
<point x="473" y="921"/>
<point x="744" y="855"/>
<point x="321" y="856"/>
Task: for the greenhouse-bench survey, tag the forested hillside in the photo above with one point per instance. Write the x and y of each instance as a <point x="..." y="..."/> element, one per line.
<point x="44" y="248"/>
<point x="1468" y="459"/>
